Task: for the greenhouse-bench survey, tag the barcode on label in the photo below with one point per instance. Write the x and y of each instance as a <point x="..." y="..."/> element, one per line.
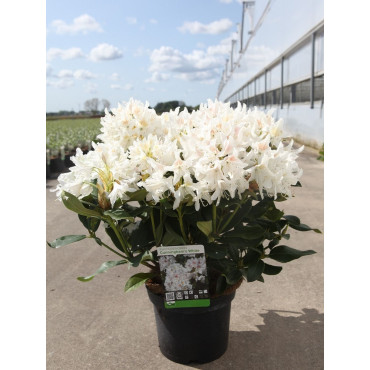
<point x="170" y="296"/>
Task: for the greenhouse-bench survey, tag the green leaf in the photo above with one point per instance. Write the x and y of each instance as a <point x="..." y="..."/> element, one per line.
<point x="205" y="227"/>
<point x="233" y="252"/>
<point x="144" y="256"/>
<point x="138" y="195"/>
<point x="158" y="233"/>
<point x="255" y="270"/>
<point x="274" y="214"/>
<point x="188" y="210"/>
<point x="237" y="219"/>
<point x="114" y="238"/>
<point x="246" y="232"/>
<point x="216" y="251"/>
<point x="242" y="243"/>
<point x="119" y="214"/>
<point x="103" y="268"/>
<point x="74" y="204"/>
<point x="292" y="220"/>
<point x="303" y="227"/>
<point x="90" y="223"/>
<point x="283" y="253"/>
<point x="147" y="256"/>
<point x="84" y="221"/>
<point x="233" y="276"/>
<point x="142" y="236"/>
<point x="221" y="284"/>
<point x="165" y="204"/>
<point x="261" y="208"/>
<point x="251" y="257"/>
<point x="280" y="198"/>
<point x="271" y="270"/>
<point x="137" y="280"/>
<point x="65" y="240"/>
<point x="273" y="243"/>
<point x="236" y="242"/>
<point x="171" y="237"/>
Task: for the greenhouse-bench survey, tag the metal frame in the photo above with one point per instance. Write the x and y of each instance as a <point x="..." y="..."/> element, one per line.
<point x="310" y="36"/>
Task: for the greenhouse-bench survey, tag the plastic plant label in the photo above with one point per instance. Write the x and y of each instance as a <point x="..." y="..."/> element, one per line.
<point x="184" y="275"/>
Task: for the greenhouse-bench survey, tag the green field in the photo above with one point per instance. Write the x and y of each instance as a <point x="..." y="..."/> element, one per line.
<point x="65" y="135"/>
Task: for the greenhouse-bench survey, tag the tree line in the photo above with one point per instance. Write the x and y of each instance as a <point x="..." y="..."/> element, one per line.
<point x="96" y="107"/>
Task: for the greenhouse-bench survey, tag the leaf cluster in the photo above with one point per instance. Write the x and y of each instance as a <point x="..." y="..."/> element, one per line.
<point x="242" y="236"/>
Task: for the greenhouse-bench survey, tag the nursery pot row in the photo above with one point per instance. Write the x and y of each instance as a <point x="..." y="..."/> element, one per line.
<point x="198" y="334"/>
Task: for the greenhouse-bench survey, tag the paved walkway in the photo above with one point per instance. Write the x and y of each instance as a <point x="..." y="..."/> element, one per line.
<point x="274" y="325"/>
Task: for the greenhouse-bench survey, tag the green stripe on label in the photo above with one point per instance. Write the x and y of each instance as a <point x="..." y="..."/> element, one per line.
<point x="191" y="303"/>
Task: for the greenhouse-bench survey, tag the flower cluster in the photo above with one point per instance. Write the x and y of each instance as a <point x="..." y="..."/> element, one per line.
<point x="201" y="157"/>
<point x="180" y="277"/>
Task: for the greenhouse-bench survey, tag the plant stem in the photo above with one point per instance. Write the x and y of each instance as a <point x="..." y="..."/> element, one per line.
<point x="153" y="225"/>
<point x="230" y="217"/>
<point x="106" y="246"/>
<point x="234" y="213"/>
<point x="119" y="236"/>
<point x="147" y="265"/>
<point x="214" y="217"/>
<point x="182" y="225"/>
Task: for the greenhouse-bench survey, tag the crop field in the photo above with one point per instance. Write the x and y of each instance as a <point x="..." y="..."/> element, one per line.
<point x="65" y="135"/>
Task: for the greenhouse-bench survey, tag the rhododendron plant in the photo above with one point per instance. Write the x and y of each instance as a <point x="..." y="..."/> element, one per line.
<point x="209" y="177"/>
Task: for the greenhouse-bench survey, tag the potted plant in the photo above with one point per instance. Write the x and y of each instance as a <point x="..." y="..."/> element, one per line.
<point x="209" y="179"/>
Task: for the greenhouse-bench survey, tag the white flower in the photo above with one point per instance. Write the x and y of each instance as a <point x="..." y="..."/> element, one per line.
<point x="202" y="156"/>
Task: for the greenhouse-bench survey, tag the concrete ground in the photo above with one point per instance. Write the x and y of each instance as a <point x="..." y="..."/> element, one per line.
<point x="278" y="324"/>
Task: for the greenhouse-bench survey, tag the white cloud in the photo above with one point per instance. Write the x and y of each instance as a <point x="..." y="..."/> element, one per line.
<point x="213" y="28"/>
<point x="226" y="1"/>
<point x="195" y="66"/>
<point x="199" y="76"/>
<point x="167" y="59"/>
<point x="105" y="52"/>
<point x="153" y="21"/>
<point x="114" y="76"/>
<point x="131" y="20"/>
<point x="158" y="77"/>
<point x="125" y="87"/>
<point x="224" y="47"/>
<point x="65" y="78"/>
<point x="65" y="73"/>
<point x="65" y="54"/>
<point x="60" y="84"/>
<point x="82" y="24"/>
<point x="82" y="74"/>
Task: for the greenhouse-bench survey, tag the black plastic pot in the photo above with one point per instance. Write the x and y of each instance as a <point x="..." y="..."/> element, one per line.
<point x="57" y="165"/>
<point x="198" y="334"/>
<point x="67" y="161"/>
<point x="48" y="172"/>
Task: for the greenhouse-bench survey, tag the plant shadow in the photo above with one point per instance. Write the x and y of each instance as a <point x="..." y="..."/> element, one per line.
<point x="286" y="340"/>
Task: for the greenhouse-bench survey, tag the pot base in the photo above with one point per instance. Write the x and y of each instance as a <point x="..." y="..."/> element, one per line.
<point x="198" y="334"/>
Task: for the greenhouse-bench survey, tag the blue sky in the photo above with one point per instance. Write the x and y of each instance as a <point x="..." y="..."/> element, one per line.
<point x="151" y="50"/>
